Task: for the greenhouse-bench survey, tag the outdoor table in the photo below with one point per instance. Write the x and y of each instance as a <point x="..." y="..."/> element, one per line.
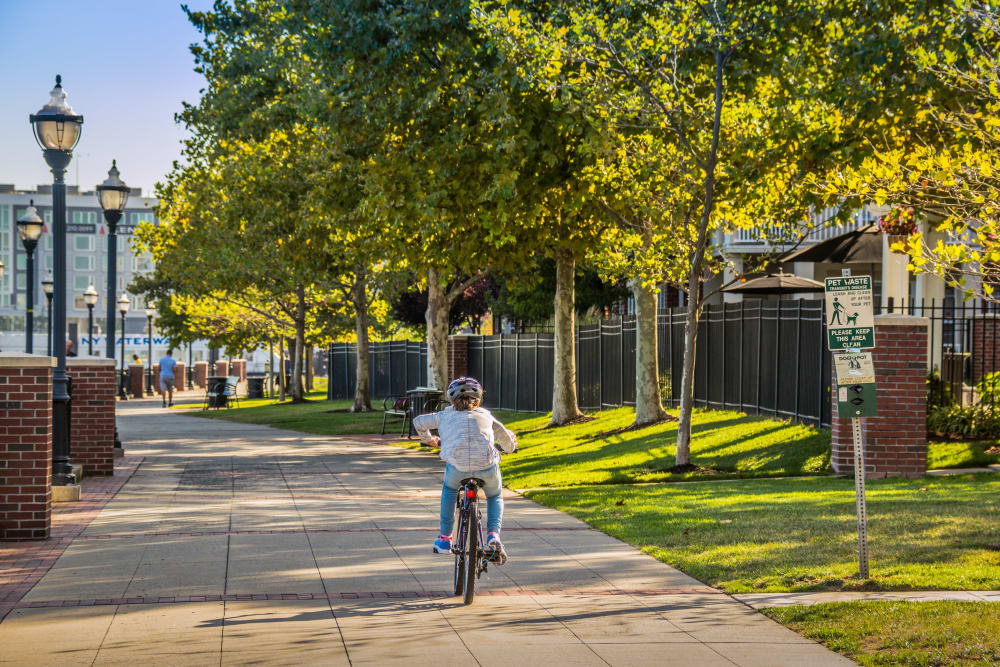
<point x="216" y="384"/>
<point x="419" y="398"/>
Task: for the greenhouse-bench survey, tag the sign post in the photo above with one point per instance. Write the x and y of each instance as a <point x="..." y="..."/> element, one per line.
<point x="850" y="329"/>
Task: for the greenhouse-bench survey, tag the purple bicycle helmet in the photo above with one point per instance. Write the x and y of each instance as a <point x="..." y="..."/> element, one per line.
<point x="464" y="386"/>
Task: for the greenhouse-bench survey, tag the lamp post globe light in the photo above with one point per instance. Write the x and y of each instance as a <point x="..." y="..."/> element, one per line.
<point x="29" y="228"/>
<point x="90" y="297"/>
<point x="123" y="305"/>
<point x="112" y="195"/>
<point x="57" y="130"/>
<point x="150" y="312"/>
<point x="47" y="287"/>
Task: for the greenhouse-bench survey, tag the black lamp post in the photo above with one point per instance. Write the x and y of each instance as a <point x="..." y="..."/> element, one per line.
<point x="149" y="366"/>
<point x="112" y="195"/>
<point x="123" y="305"/>
<point x="47" y="286"/>
<point x="57" y="130"/>
<point x="29" y="227"/>
<point x="90" y="298"/>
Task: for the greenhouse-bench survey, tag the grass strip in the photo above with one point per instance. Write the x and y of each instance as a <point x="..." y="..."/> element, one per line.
<point x="901" y="633"/>
<point x="780" y="535"/>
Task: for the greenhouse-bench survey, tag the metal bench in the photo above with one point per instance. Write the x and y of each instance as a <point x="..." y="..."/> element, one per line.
<point x="397" y="406"/>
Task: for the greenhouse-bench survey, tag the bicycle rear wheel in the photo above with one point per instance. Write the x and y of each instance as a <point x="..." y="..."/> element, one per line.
<point x="460" y="555"/>
<point x="472" y="551"/>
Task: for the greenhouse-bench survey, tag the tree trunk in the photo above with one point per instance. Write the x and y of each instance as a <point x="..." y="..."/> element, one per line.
<point x="310" y="366"/>
<point x="362" y="392"/>
<point x="648" y="402"/>
<point x="694" y="280"/>
<point x="436" y="317"/>
<point x="564" y="404"/>
<point x="300" y="342"/>
<point x="281" y="368"/>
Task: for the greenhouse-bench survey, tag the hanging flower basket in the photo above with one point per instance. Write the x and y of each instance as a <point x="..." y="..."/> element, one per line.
<point x="898" y="224"/>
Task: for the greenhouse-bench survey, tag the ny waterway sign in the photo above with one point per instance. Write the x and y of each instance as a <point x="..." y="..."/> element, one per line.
<point x="850" y="319"/>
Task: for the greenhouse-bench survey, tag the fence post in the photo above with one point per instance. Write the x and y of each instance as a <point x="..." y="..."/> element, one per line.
<point x="621" y="355"/>
<point x="517" y="364"/>
<point x="798" y="351"/>
<point x="823" y="392"/>
<point x="600" y="364"/>
<point x="500" y="376"/>
<point x="708" y="356"/>
<point x="777" y="350"/>
<point x="760" y="320"/>
<point x="670" y="333"/>
<point x="742" y="323"/>
<point x="725" y="310"/>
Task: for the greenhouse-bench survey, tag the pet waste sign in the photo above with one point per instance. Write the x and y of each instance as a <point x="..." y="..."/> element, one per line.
<point x="850" y="320"/>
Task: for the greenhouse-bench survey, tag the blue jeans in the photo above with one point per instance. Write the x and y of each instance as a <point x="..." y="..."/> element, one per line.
<point x="494" y="496"/>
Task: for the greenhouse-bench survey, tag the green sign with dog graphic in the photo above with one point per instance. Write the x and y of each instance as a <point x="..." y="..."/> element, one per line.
<point x="850" y="318"/>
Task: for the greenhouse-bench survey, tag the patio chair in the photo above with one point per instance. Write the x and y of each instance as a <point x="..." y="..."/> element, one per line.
<point x="396" y="406"/>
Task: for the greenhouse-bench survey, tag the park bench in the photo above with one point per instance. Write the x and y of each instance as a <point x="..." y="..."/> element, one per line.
<point x="399" y="407"/>
<point x="218" y="394"/>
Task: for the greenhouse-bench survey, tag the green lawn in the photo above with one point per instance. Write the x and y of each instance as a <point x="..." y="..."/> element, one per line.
<point x="724" y="444"/>
<point x="950" y="454"/>
<point x="801" y="534"/>
<point x="317" y="416"/>
<point x="902" y="633"/>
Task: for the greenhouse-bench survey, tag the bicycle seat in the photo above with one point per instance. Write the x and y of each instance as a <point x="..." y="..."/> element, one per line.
<point x="473" y="480"/>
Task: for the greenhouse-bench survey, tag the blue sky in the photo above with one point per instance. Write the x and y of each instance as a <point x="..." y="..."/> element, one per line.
<point x="125" y="66"/>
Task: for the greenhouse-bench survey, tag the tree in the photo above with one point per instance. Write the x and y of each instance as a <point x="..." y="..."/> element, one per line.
<point x="713" y="116"/>
<point x="946" y="165"/>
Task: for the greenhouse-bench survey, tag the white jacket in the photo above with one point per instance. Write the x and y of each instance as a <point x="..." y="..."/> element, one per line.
<point x="467" y="437"/>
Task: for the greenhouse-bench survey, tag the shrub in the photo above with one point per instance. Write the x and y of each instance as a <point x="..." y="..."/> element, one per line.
<point x="975" y="421"/>
<point x="988" y="388"/>
<point x="938" y="391"/>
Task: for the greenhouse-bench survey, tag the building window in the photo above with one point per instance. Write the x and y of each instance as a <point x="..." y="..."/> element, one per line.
<point x="47" y="242"/>
<point x="83" y="263"/>
<point x="81" y="282"/>
<point x="141" y="217"/>
<point x="83" y="242"/>
<point x="84" y="217"/>
<point x="142" y="263"/>
<point x="22" y="261"/>
<point x="22" y="280"/>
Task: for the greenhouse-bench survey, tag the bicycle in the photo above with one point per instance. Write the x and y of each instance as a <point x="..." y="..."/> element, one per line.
<point x="471" y="561"/>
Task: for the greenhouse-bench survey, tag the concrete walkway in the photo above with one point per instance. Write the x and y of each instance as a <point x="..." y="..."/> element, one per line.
<point x="764" y="600"/>
<point x="236" y="544"/>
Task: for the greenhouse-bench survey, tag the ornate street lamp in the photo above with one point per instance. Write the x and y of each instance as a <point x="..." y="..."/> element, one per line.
<point x="57" y="130"/>
<point x="112" y="195"/>
<point x="123" y="305"/>
<point x="47" y="287"/>
<point x="149" y="367"/>
<point x="29" y="227"/>
<point x="90" y="298"/>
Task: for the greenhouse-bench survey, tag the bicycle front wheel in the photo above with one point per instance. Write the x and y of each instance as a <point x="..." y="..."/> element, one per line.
<point x="472" y="553"/>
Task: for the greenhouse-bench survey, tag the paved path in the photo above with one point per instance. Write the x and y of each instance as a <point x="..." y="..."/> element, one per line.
<point x="236" y="544"/>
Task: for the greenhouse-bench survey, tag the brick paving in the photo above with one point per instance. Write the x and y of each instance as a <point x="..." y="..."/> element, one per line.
<point x="23" y="564"/>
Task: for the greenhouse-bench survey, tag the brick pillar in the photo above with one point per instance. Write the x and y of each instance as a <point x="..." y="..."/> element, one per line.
<point x="93" y="424"/>
<point x="25" y="446"/>
<point x="201" y="373"/>
<point x="985" y="347"/>
<point x="180" y="376"/>
<point x="156" y="378"/>
<point x="136" y="380"/>
<point x="222" y="368"/>
<point x="458" y="356"/>
<point x="896" y="439"/>
<point x="240" y="368"/>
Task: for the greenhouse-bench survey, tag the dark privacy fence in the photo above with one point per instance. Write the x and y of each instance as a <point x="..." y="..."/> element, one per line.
<point x="760" y="357"/>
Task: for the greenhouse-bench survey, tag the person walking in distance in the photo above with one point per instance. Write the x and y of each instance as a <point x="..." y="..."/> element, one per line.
<point x="167" y="364"/>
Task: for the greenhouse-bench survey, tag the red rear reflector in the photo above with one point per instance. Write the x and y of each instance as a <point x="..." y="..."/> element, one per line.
<point x="469" y="493"/>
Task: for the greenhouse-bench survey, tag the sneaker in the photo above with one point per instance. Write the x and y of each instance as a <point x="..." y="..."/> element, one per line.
<point x="442" y="545"/>
<point x="494" y="549"/>
<point x="164" y="405"/>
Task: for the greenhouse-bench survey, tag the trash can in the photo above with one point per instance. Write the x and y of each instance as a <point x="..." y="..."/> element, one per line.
<point x="421" y="399"/>
<point x="255" y="387"/>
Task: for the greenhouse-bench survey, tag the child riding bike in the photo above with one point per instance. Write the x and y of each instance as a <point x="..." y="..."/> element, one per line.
<point x="471" y="442"/>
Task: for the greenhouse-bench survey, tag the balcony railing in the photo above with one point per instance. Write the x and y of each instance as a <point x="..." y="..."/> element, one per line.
<point x="771" y="236"/>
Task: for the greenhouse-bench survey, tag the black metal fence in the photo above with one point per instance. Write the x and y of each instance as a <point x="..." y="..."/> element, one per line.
<point x="393" y="367"/>
<point x="963" y="350"/>
<point x="759" y="357"/>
